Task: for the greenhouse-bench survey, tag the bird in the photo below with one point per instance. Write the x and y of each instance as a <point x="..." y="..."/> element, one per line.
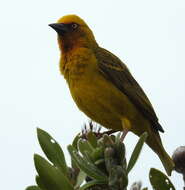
<point x="103" y="88"/>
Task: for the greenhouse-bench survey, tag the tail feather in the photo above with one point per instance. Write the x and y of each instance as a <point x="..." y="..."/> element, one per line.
<point x="167" y="162"/>
<point x="157" y="126"/>
<point x="154" y="141"/>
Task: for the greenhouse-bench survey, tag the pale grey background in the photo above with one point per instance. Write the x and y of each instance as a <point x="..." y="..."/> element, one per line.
<point x="149" y="36"/>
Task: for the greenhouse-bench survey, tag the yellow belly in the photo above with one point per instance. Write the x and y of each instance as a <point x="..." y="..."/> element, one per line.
<point x="98" y="98"/>
<point x="102" y="102"/>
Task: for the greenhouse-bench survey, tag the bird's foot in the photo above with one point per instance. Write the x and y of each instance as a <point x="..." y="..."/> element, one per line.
<point x="109" y="132"/>
<point x="96" y="130"/>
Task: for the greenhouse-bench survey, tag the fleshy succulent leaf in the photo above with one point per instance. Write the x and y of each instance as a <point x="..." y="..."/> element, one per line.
<point x="90" y="169"/>
<point x="34" y="187"/>
<point x="52" y="177"/>
<point x="92" y="139"/>
<point x="80" y="178"/>
<point x="136" y="152"/>
<point x="52" y="150"/>
<point x="117" y="178"/>
<point x="107" y="140"/>
<point x="39" y="182"/>
<point x="75" y="141"/>
<point x="84" y="146"/>
<point x="120" y="149"/>
<point x="91" y="183"/>
<point x="159" y="180"/>
<point x="97" y="154"/>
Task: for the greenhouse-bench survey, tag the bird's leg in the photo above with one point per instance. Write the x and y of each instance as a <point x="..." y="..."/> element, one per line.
<point x="124" y="133"/>
<point x="126" y="125"/>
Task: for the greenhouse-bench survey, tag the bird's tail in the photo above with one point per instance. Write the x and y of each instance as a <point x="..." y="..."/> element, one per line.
<point x="166" y="161"/>
<point x="154" y="141"/>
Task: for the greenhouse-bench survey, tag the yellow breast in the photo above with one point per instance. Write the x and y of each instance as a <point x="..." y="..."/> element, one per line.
<point x="94" y="95"/>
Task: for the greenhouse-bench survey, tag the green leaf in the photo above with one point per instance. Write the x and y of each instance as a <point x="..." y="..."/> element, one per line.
<point x="97" y="154"/>
<point x="118" y="137"/>
<point x="52" y="178"/>
<point x="136" y="152"/>
<point x="159" y="180"/>
<point x="84" y="146"/>
<point x="145" y="188"/>
<point x="75" y="141"/>
<point x="86" y="150"/>
<point x="75" y="145"/>
<point x="90" y="169"/>
<point x="34" y="187"/>
<point x="107" y="140"/>
<point x="92" y="139"/>
<point x="80" y="178"/>
<point x="91" y="183"/>
<point x="39" y="182"/>
<point x="100" y="161"/>
<point x="109" y="156"/>
<point x="52" y="150"/>
<point x="117" y="178"/>
<point x="120" y="149"/>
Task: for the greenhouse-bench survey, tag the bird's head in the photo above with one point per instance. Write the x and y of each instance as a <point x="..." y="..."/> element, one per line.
<point x="73" y="32"/>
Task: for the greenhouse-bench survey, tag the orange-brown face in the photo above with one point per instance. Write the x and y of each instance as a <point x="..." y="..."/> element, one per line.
<point x="73" y="32"/>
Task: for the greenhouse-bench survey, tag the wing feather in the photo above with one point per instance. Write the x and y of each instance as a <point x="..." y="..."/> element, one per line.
<point x="115" y="71"/>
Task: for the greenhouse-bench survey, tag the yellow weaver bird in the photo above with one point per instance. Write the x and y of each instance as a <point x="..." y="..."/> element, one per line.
<point x="103" y="87"/>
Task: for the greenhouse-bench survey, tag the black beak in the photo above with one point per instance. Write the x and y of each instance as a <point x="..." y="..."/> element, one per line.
<point x="60" y="28"/>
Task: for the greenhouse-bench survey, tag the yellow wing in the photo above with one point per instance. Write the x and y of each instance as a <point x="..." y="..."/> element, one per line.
<point x="116" y="72"/>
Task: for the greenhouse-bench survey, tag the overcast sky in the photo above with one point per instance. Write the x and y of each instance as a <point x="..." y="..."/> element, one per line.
<point x="149" y="36"/>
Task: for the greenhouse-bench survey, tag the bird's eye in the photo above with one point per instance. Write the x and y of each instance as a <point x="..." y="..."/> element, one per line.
<point x="74" y="25"/>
